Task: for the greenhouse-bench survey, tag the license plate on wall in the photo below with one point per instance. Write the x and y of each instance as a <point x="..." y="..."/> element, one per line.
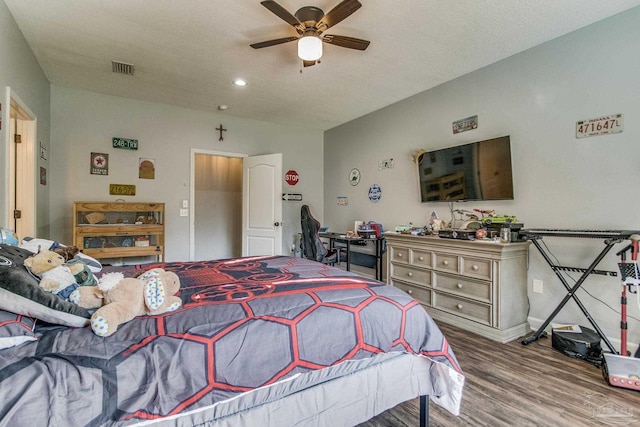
<point x="600" y="126"/>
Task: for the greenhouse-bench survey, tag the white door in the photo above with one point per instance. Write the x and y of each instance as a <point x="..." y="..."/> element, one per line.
<point x="262" y="205"/>
<point x="22" y="178"/>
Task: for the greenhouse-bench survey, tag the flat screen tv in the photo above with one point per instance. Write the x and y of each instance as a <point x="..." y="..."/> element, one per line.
<point x="476" y="171"/>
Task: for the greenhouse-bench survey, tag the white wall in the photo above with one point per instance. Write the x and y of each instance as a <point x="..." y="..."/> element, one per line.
<point x="536" y="97"/>
<point x="83" y="122"/>
<point x="20" y="71"/>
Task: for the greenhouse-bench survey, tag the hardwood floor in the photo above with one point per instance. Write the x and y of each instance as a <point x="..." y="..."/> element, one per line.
<point x="516" y="385"/>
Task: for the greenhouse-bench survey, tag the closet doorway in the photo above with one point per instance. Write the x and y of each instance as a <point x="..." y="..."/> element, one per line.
<point x="216" y="205"/>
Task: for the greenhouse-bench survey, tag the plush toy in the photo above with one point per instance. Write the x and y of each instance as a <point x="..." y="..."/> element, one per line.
<point x="55" y="275"/>
<point x="120" y="299"/>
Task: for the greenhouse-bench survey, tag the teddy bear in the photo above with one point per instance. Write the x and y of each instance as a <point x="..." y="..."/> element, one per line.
<point x="119" y="299"/>
<point x="55" y="275"/>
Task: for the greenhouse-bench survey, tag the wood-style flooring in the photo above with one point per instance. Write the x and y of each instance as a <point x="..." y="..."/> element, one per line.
<point x="516" y="385"/>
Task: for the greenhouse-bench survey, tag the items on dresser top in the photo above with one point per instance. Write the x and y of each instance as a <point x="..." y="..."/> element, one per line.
<point x="476" y="285"/>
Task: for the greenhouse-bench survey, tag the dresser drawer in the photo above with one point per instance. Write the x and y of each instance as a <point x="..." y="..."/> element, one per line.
<point x="409" y="274"/>
<point x="420" y="294"/>
<point x="400" y="255"/>
<point x="476" y="290"/>
<point x="446" y="262"/>
<point x="421" y="258"/>
<point x="475" y="267"/>
<point x="475" y="311"/>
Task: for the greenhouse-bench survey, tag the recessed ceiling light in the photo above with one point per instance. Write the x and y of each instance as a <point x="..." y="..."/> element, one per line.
<point x="240" y="82"/>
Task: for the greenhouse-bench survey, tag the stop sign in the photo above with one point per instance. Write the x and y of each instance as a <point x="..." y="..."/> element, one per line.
<point x="291" y="177"/>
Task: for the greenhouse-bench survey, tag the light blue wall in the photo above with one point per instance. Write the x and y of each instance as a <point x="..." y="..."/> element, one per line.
<point x="85" y="122"/>
<point x="536" y="97"/>
<point x="20" y="71"/>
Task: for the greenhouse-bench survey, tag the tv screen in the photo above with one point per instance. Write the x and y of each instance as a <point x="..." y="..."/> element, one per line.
<point x="476" y="171"/>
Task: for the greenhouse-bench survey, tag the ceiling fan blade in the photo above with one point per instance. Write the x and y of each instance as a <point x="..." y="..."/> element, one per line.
<point x="348" y="42"/>
<point x="281" y="12"/>
<point x="338" y="13"/>
<point x="308" y="63"/>
<point x="273" y="42"/>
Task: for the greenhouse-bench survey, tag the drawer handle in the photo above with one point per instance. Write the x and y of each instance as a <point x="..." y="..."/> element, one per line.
<point x="459" y="285"/>
<point x="445" y="262"/>
<point x="459" y="306"/>
<point x="410" y="274"/>
<point x="421" y="258"/>
<point x="409" y="291"/>
<point x="400" y="255"/>
<point x="475" y="267"/>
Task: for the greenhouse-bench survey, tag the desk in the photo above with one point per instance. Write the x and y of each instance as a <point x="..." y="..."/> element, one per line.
<point x="338" y="237"/>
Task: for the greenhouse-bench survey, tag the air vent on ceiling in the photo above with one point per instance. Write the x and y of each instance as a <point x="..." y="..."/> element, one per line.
<point x="122" y="68"/>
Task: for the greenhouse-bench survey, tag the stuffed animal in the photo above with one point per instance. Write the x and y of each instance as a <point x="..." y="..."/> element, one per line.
<point x="55" y="275"/>
<point x="120" y="299"/>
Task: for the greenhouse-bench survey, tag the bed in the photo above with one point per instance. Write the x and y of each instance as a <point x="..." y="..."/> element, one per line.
<point x="269" y="341"/>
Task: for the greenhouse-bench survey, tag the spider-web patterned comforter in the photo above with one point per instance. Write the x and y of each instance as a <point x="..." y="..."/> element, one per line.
<point x="245" y="323"/>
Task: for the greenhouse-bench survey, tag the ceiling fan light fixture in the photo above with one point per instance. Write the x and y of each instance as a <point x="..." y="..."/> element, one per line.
<point x="309" y="47"/>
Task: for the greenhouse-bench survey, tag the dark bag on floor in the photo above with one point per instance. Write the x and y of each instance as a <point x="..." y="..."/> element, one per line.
<point x="584" y="345"/>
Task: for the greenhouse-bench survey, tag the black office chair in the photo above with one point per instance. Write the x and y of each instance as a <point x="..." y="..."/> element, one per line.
<point x="312" y="246"/>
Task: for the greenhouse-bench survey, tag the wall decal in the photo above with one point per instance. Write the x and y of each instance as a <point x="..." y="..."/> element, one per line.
<point x="354" y="176"/>
<point x="464" y="125"/>
<point x="99" y="164"/>
<point x="125" y="143"/>
<point x="122" y="190"/>
<point x="375" y="193"/>
<point x="221" y="129"/>
<point x="292" y="197"/>
<point x="43" y="151"/>
<point x="292" y="177"/>
<point x="146" y="168"/>
<point x="600" y="126"/>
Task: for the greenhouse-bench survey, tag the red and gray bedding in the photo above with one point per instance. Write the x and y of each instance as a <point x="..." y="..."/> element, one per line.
<point x="245" y="323"/>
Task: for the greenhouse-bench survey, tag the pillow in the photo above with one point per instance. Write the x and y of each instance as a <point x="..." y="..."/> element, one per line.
<point x="15" y="329"/>
<point x="35" y="244"/>
<point x="20" y="293"/>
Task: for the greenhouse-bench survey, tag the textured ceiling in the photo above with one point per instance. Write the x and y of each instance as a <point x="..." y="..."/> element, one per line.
<point x="186" y="53"/>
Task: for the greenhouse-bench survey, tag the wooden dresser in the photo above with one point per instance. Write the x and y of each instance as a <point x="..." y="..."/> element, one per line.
<point x="480" y="286"/>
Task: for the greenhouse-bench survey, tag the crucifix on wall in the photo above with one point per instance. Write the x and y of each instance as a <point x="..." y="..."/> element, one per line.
<point x="221" y="129"/>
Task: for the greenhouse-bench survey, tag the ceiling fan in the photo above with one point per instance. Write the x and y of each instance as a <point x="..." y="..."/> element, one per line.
<point x="310" y="22"/>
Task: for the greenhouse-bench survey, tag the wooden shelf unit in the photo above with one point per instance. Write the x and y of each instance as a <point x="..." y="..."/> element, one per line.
<point x="118" y="235"/>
